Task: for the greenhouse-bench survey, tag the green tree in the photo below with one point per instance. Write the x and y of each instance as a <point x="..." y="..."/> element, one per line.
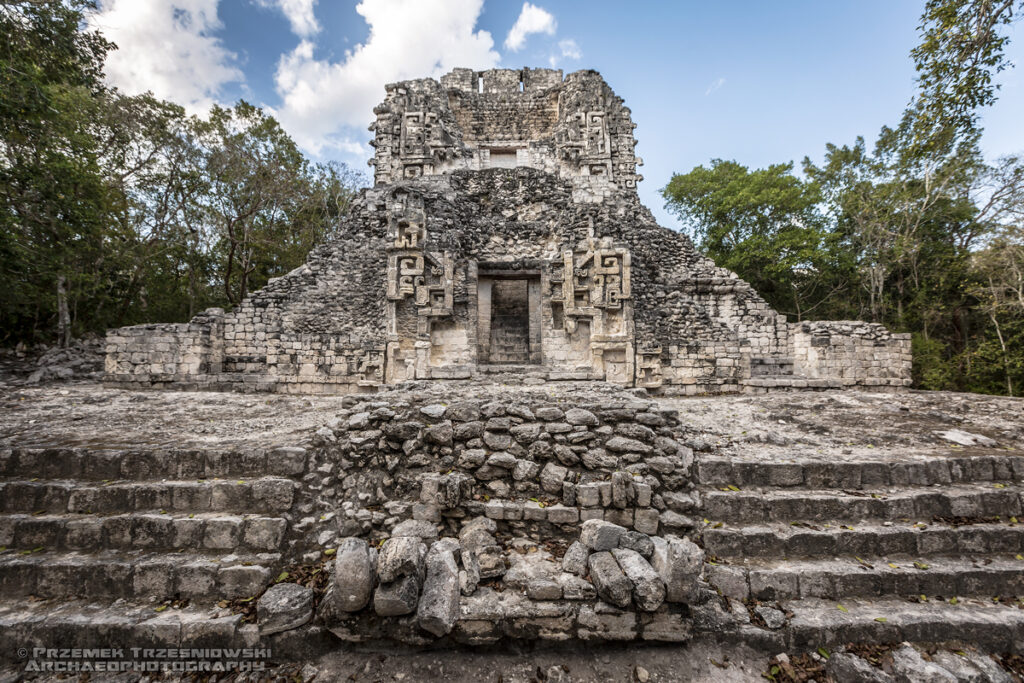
<point x="766" y="226"/>
<point x="962" y="48"/>
<point x="54" y="195"/>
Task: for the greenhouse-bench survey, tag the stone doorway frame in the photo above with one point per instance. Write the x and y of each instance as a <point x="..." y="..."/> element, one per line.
<point x="487" y="274"/>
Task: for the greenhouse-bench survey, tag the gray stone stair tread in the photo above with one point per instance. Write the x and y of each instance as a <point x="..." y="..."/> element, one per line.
<point x="971" y="620"/>
<point x="866" y="540"/>
<point x="846" y="565"/>
<point x="225" y="558"/>
<point x="853" y="494"/>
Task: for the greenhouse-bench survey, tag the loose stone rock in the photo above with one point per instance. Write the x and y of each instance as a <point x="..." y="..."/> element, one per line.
<point x="648" y="588"/>
<point x="397" y="597"/>
<point x="600" y="535"/>
<point x="611" y="583"/>
<point x="575" y="559"/>
<point x="353" y="576"/>
<point x="439" y="605"/>
<point x="284" y="606"/>
<point x="400" y="556"/>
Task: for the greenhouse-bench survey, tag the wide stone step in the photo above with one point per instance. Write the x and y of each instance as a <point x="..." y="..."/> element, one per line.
<point x="152" y="530"/>
<point x="847" y="577"/>
<point x="98" y="464"/>
<point x="112" y="575"/>
<point x="264" y="494"/>
<point x="917" y="503"/>
<point x="860" y="474"/>
<point x="865" y="541"/>
<point x="991" y="626"/>
<point x="92" y="624"/>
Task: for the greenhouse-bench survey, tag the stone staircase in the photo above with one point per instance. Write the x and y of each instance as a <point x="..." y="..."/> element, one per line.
<point x="90" y="536"/>
<point x="919" y="548"/>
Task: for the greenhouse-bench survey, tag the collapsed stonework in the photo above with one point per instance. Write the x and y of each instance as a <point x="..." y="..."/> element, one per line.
<point x="504" y="235"/>
<point x="509" y="516"/>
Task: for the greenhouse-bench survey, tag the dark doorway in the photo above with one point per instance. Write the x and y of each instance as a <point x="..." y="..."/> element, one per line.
<point x="509" y="332"/>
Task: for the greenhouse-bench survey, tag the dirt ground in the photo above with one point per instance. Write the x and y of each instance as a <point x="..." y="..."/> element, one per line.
<point x="701" y="661"/>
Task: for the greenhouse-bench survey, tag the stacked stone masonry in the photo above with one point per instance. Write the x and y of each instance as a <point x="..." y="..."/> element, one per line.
<point x="444" y="514"/>
<point x="508" y="515"/>
<point x="488" y="184"/>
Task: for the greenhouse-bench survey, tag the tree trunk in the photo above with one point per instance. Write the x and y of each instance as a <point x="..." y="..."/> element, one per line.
<point x="1006" y="359"/>
<point x="63" y="315"/>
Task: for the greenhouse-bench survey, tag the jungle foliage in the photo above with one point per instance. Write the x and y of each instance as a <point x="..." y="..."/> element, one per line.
<point x="917" y="231"/>
<point x="117" y="210"/>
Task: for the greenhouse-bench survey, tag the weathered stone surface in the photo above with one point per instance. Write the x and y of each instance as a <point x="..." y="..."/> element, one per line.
<point x="353" y="577"/>
<point x="620" y="444"/>
<point x="678" y="561"/>
<point x="439" y="605"/>
<point x="575" y="559"/>
<point x="579" y="416"/>
<point x="843" y="666"/>
<point x="397" y="597"/>
<point x="415" y="528"/>
<point x="908" y="666"/>
<point x="609" y="579"/>
<point x="284" y="606"/>
<point x="648" y="588"/>
<point x="600" y="535"/>
<point x="641" y="543"/>
<point x="400" y="556"/>
<point x="441" y="434"/>
<point x="773" y="618"/>
<point x="552" y="476"/>
<point x="575" y="587"/>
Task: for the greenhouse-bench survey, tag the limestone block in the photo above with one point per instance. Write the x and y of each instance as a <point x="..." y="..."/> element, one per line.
<point x="284" y="606"/>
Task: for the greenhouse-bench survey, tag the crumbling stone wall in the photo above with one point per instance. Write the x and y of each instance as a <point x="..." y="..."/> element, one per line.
<point x="512" y="514"/>
<point x="851" y="351"/>
<point x="406" y="290"/>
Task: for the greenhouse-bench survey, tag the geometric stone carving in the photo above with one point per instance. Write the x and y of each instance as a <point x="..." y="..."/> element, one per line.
<point x="648" y="367"/>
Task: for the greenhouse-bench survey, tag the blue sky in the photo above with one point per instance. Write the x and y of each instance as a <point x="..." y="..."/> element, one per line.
<point x="758" y="82"/>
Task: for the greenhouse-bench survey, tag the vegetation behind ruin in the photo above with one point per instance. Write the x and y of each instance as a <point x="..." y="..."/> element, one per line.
<point x="117" y="210"/>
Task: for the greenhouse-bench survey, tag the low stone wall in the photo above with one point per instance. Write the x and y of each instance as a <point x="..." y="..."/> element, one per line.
<point x="852" y="352"/>
<point x="467" y="518"/>
<point x="178" y="354"/>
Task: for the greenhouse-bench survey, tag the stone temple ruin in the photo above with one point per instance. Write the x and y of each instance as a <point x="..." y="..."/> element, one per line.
<point x="504" y="239"/>
<point x="504" y="234"/>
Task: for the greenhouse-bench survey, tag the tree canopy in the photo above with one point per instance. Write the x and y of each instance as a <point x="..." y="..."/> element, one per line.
<point x="919" y="231"/>
<point x="120" y="209"/>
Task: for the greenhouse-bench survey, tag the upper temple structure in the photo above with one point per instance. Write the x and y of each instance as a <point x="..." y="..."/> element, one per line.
<point x="504" y="234"/>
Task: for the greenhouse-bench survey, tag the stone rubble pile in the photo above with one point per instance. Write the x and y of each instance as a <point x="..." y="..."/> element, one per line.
<point x="534" y="464"/>
<point x="418" y="587"/>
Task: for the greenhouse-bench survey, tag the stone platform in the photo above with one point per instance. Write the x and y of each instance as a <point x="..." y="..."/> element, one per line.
<point x="821" y="518"/>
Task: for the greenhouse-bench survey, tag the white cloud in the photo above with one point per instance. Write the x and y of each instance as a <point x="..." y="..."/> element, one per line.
<point x="168" y="47"/>
<point x="299" y="14"/>
<point x="532" y="19"/>
<point x="407" y="39"/>
<point x="570" y="49"/>
<point x="715" y="85"/>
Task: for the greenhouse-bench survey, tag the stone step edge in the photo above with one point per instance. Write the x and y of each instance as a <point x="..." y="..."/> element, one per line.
<point x="751" y="506"/>
<point x="143" y="530"/>
<point x="714" y="471"/>
<point x="865" y="540"/>
<point x="50" y="575"/>
<point x="817" y="623"/>
<point x="846" y="577"/>
<point x="260" y="494"/>
<point x="110" y="463"/>
<point x="124" y="625"/>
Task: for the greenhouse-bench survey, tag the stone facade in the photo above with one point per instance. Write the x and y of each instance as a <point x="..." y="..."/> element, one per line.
<point x="504" y="233"/>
